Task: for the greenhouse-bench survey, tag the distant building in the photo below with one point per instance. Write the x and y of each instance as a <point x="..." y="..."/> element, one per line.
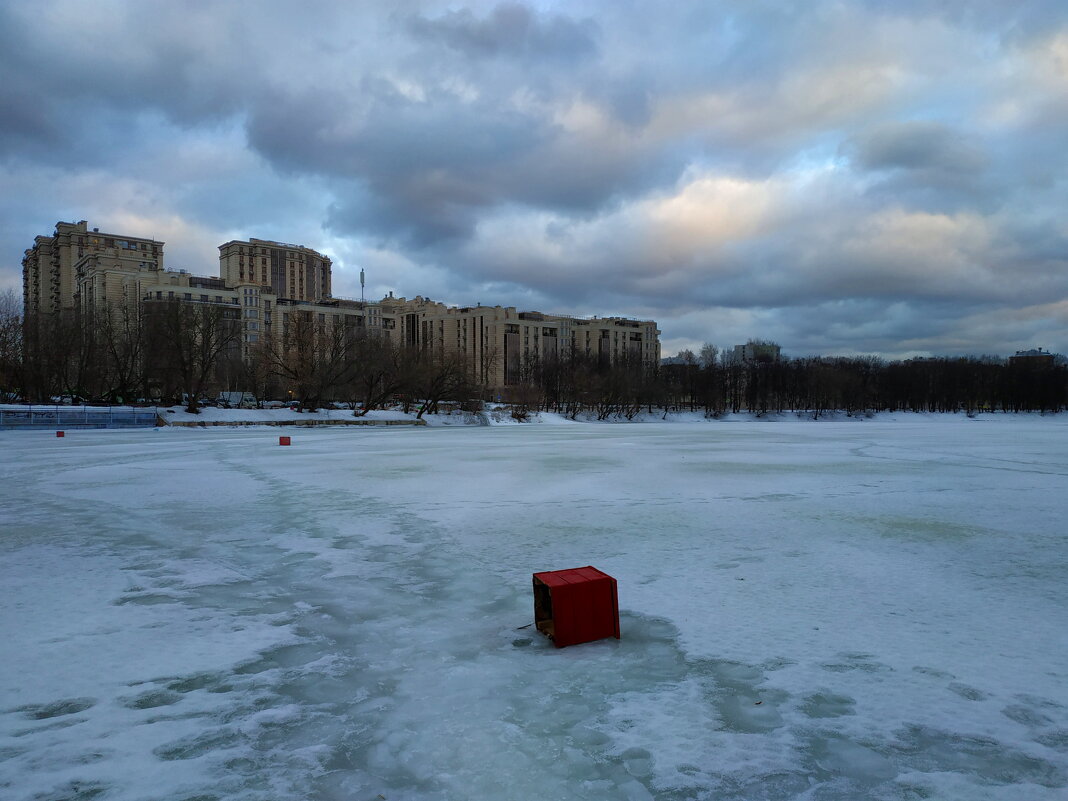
<point x="755" y="351"/>
<point x="669" y="361"/>
<point x="270" y="285"/>
<point x="500" y="343"/>
<point x="1036" y="357"/>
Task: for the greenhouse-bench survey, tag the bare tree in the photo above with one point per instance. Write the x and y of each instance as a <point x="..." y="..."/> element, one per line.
<point x="376" y="371"/>
<point x="257" y="370"/>
<point x="73" y="353"/>
<point x="312" y="355"/>
<point x="488" y="362"/>
<point x="443" y="377"/>
<point x="122" y="349"/>
<point x="708" y="355"/>
<point x="12" y="380"/>
<point x="186" y="342"/>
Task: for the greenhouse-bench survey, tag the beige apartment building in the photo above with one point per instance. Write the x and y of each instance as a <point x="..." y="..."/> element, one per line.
<point x="87" y="271"/>
<point x="75" y="264"/>
<point x="753" y="351"/>
<point x="288" y="271"/>
<point x="499" y="343"/>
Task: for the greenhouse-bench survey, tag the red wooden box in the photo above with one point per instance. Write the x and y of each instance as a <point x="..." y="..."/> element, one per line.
<point x="577" y="605"/>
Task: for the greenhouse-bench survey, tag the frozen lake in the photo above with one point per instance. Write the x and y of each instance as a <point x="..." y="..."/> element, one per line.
<point x="834" y="610"/>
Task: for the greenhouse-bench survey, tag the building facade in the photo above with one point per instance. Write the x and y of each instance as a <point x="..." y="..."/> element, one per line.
<point x="754" y="351"/>
<point x="1035" y="357"/>
<point x="270" y="283"/>
<point x="500" y="343"/>
<point x="62" y="271"/>
<point x="287" y="271"/>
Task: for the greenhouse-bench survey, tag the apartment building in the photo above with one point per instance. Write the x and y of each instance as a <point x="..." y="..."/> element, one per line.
<point x="289" y="271"/>
<point x="500" y="343"/>
<point x="754" y="351"/>
<point x="76" y="265"/>
<point x="267" y="284"/>
<point x="1034" y="357"/>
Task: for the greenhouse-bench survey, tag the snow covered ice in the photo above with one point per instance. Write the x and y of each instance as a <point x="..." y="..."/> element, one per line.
<point x="833" y="610"/>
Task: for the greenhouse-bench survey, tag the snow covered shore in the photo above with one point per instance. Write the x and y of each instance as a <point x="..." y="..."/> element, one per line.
<point x="499" y="414"/>
<point x="502" y="415"/>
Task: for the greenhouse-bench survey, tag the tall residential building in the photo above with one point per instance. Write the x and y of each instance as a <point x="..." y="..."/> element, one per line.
<point x="288" y="271"/>
<point x="59" y="269"/>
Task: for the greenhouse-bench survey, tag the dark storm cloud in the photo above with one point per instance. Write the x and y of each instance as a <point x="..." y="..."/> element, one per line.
<point x="510" y="29"/>
<point x="917" y="145"/>
<point x="422" y="169"/>
<point x="1007" y="20"/>
<point x="27" y="125"/>
<point x="77" y="87"/>
<point x="838" y="175"/>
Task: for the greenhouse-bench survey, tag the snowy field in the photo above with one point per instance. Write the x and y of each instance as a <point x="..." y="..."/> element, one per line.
<point x="834" y="610"/>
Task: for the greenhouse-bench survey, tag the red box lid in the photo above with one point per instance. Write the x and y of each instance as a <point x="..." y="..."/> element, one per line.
<point x="575" y="575"/>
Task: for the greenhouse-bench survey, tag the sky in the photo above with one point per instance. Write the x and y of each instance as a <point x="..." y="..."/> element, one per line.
<point x="839" y="176"/>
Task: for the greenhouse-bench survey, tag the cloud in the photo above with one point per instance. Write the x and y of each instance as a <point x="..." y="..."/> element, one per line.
<point x="510" y="29"/>
<point x="918" y="145"/>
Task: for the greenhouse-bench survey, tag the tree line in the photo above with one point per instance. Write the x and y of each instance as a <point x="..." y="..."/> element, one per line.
<point x="716" y="384"/>
<point x="858" y="385"/>
<point x="178" y="352"/>
<point x="175" y="351"/>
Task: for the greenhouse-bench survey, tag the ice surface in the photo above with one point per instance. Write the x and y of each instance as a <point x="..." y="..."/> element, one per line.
<point x="809" y="611"/>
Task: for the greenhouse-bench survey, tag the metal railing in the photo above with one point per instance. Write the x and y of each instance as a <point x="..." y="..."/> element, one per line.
<point x="34" y="417"/>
